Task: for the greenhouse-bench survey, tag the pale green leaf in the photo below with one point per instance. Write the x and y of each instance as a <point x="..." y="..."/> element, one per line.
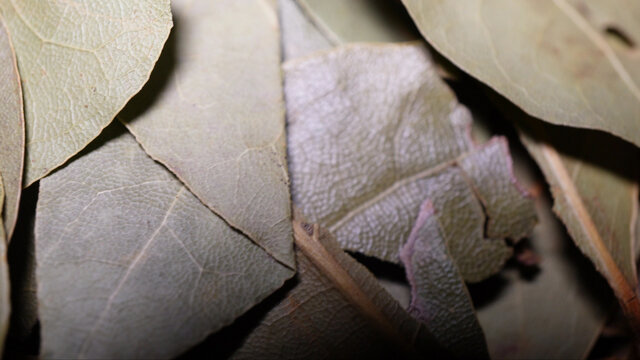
<point x="335" y="309"/>
<point x="439" y="297"/>
<point x="11" y="132"/>
<point x="80" y="62"/>
<point x="131" y="265"/>
<point x="218" y="120"/>
<point x="373" y="132"/>
<point x="552" y="58"/>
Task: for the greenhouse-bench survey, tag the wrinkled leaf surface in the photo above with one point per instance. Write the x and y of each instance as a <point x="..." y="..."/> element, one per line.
<point x="373" y="132"/>
<point x="439" y="297"/>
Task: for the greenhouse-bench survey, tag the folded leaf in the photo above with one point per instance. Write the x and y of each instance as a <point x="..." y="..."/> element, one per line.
<point x="362" y="20"/>
<point x="5" y="304"/>
<point x="80" y="63"/>
<point x="11" y="132"/>
<point x="439" y="296"/>
<point x="554" y="310"/>
<point x="217" y="120"/>
<point x="335" y="310"/>
<point x="373" y="132"/>
<point x="595" y="195"/>
<point x="130" y="264"/>
<point x="551" y="58"/>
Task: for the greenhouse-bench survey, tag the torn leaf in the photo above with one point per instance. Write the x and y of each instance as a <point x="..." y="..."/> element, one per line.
<point x="219" y="86"/>
<point x="130" y="264"/>
<point x="80" y="62"/>
<point x="552" y="58"/>
<point x="439" y="297"/>
<point x="11" y="132"/>
<point x="373" y="132"/>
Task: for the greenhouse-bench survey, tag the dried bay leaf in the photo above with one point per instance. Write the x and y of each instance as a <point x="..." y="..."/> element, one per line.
<point x="224" y="97"/>
<point x="79" y="63"/>
<point x="360" y="20"/>
<point x="373" y="132"/>
<point x="299" y="35"/>
<point x="439" y="297"/>
<point x="336" y="309"/>
<point x="551" y="58"/>
<point x="11" y="132"/>
<point x="595" y="195"/>
<point x="555" y="310"/>
<point x="130" y="264"/>
<point x="5" y="304"/>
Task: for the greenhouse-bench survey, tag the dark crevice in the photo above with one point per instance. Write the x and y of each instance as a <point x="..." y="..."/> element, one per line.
<point x="620" y="36"/>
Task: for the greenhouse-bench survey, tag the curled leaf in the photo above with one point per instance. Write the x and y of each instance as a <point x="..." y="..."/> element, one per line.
<point x="439" y="297"/>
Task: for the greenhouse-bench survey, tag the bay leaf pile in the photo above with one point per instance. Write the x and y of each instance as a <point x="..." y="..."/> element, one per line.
<point x="319" y="179"/>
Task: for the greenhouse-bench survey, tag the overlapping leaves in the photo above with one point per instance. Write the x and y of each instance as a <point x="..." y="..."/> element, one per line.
<point x="138" y="258"/>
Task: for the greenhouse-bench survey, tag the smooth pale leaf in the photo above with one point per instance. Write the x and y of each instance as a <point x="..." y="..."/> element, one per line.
<point x="557" y="309"/>
<point x="439" y="297"/>
<point x="11" y="132"/>
<point x="595" y="195"/>
<point x="80" y="62"/>
<point x="130" y="264"/>
<point x="360" y="20"/>
<point x="213" y="113"/>
<point x="5" y="304"/>
<point x="335" y="310"/>
<point x="551" y="58"/>
<point x="373" y="132"/>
